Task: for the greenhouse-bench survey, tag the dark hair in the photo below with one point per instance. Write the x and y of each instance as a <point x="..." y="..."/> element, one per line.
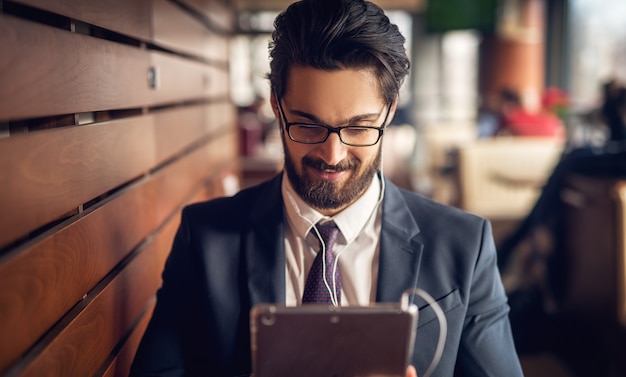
<point x="338" y="34"/>
<point x="510" y="96"/>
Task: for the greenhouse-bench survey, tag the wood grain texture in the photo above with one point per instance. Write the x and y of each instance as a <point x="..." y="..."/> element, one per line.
<point x="79" y="73"/>
<point x="131" y="18"/>
<point x="41" y="283"/>
<point x="121" y="363"/>
<point x="181" y="178"/>
<point x="88" y="212"/>
<point x="178" y="128"/>
<point x="50" y="277"/>
<point x="176" y="29"/>
<point x="184" y="80"/>
<point x="46" y="174"/>
<point x="76" y="351"/>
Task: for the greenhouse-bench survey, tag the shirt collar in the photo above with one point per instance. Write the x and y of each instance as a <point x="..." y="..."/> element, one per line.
<point x="350" y="221"/>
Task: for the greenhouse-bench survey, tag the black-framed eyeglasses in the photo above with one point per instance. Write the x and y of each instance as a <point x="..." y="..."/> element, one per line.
<point x="313" y="133"/>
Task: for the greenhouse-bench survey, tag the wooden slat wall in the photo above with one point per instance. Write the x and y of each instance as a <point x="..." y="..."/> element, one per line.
<point x="54" y="71"/>
<point x="126" y="17"/>
<point x="96" y="162"/>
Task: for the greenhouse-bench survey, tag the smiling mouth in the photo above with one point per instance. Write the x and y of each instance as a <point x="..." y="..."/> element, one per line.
<point x="321" y="166"/>
<point x="331" y="170"/>
<point x="328" y="172"/>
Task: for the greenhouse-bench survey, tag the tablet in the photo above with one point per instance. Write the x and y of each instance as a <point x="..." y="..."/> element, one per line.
<point x="322" y="340"/>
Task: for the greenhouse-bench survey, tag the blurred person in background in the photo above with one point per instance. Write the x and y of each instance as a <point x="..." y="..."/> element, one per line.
<point x="506" y="115"/>
<point x="517" y="120"/>
<point x="532" y="256"/>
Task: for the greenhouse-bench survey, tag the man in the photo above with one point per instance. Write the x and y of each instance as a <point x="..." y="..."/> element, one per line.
<point x="336" y="69"/>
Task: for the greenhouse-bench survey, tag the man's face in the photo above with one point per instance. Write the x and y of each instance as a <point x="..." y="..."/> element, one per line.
<point x="331" y="175"/>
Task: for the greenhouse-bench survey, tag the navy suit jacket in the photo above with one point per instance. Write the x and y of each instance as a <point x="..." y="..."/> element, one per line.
<point x="228" y="255"/>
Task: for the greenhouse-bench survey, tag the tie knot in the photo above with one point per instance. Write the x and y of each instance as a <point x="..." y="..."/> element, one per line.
<point x="329" y="232"/>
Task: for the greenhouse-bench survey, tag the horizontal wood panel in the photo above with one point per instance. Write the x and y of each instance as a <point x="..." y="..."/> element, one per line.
<point x="177" y="128"/>
<point x="218" y="48"/>
<point x="182" y="79"/>
<point x="177" y="29"/>
<point x="46" y="174"/>
<point x="182" y="177"/>
<point x="80" y="73"/>
<point x="54" y="274"/>
<point x="221" y="115"/>
<point x="217" y="12"/>
<point x="223" y="150"/>
<point x="122" y="16"/>
<point x="82" y="347"/>
<point x="78" y="294"/>
<point x="121" y="363"/>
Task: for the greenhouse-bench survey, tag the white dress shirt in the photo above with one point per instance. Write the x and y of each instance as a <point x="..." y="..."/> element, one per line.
<point x="357" y="246"/>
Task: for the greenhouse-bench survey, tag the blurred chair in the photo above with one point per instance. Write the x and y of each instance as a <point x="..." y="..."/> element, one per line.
<point x="439" y="143"/>
<point x="592" y="269"/>
<point x="501" y="177"/>
<point x="586" y="278"/>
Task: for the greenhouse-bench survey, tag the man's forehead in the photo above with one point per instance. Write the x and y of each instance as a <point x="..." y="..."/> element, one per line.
<point x="355" y="90"/>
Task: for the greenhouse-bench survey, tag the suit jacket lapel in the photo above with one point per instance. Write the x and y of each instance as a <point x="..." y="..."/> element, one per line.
<point x="265" y="247"/>
<point x="400" y="249"/>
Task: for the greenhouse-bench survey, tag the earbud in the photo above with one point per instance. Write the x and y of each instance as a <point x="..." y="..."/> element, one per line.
<point x="332" y="292"/>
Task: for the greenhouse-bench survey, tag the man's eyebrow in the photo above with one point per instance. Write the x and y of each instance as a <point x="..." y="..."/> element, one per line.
<point x="354" y="119"/>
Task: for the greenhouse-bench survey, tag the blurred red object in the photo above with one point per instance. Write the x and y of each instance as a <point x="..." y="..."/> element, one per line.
<point x="555" y="100"/>
<point x="523" y="123"/>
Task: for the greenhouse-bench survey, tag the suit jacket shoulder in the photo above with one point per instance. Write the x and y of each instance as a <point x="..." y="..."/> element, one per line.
<point x="236" y="211"/>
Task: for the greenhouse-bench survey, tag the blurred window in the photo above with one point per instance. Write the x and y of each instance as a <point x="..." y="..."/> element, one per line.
<point x="597" y="40"/>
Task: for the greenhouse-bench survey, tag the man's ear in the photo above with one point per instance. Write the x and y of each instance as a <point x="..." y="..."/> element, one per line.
<point x="392" y="111"/>
<point x="274" y="103"/>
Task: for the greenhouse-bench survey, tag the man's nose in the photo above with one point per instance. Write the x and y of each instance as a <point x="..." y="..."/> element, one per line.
<point x="333" y="150"/>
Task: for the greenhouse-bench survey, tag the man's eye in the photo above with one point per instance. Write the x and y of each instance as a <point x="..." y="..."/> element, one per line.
<point x="310" y="128"/>
<point x="356" y="130"/>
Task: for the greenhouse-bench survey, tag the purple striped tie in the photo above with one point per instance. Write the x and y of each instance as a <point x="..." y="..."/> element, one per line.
<point x="315" y="290"/>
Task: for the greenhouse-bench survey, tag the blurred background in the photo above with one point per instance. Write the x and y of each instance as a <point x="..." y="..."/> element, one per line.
<point x="115" y="114"/>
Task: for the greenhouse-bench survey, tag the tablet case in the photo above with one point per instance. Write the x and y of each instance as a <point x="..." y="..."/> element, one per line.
<point x="325" y="341"/>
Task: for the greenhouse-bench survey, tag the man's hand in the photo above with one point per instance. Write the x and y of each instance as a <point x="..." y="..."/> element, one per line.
<point x="411" y="372"/>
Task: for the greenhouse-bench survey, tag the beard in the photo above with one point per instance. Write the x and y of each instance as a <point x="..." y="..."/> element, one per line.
<point x="328" y="195"/>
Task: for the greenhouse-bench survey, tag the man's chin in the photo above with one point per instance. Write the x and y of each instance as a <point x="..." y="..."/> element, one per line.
<point x="329" y="195"/>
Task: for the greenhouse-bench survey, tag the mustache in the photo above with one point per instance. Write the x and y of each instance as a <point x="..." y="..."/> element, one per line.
<point x="319" y="164"/>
